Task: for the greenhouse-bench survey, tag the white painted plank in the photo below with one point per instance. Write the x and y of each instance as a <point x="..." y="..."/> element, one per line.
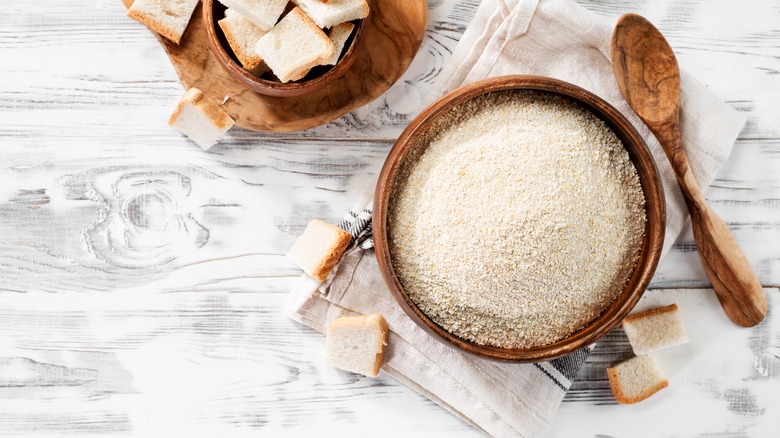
<point x="217" y="361"/>
<point x="247" y="201"/>
<point x="725" y="382"/>
<point x="202" y="363"/>
<point x="97" y="220"/>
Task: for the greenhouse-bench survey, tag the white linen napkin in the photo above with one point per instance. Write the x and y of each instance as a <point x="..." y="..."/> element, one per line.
<point x="555" y="38"/>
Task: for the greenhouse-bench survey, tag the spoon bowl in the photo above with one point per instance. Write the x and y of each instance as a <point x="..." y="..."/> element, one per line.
<point x="657" y="88"/>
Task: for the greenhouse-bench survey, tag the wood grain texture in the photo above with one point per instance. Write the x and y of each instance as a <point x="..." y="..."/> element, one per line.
<point x="390" y="41"/>
<point x="197" y="345"/>
<point x="647" y="73"/>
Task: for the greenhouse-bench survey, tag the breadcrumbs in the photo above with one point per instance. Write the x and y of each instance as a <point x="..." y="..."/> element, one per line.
<point x="519" y="223"/>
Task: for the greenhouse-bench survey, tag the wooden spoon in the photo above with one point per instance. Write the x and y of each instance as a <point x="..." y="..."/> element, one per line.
<point x="647" y="73"/>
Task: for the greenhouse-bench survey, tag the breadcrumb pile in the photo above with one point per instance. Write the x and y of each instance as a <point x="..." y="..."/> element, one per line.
<point x="519" y="222"/>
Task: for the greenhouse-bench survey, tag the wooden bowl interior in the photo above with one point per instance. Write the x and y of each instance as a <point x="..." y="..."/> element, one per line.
<point x="267" y="83"/>
<point x="654" y="208"/>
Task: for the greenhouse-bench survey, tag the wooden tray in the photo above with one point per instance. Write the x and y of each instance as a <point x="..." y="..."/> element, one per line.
<point x="392" y="39"/>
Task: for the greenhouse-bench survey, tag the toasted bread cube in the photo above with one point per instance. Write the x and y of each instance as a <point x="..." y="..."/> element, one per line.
<point x="168" y="18"/>
<point x="200" y="119"/>
<point x="636" y="379"/>
<point x="655" y="329"/>
<point x="333" y="12"/>
<point x="262" y="13"/>
<point x="293" y="46"/>
<point x="357" y="343"/>
<point x="339" y="35"/>
<point x="242" y="36"/>
<point x="319" y="248"/>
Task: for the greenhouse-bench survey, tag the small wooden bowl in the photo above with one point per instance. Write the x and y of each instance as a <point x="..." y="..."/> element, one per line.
<point x="654" y="208"/>
<point x="316" y="79"/>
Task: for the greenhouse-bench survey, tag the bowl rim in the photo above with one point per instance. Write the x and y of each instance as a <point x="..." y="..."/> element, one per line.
<point x="655" y="211"/>
<point x="274" y="88"/>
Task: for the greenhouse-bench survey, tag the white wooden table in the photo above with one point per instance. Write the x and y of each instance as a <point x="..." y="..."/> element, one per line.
<point x="141" y="279"/>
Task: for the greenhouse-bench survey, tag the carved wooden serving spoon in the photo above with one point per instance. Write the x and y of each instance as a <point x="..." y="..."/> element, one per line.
<point x="647" y="73"/>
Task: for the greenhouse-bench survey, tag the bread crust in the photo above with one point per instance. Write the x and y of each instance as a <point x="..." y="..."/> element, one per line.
<point x="622" y="398"/>
<point x="365" y="10"/>
<point x="364" y="322"/>
<point x="384" y="329"/>
<point x="154" y="24"/>
<point x="249" y="61"/>
<point x="211" y="110"/>
<point x="301" y="75"/>
<point x="651" y="312"/>
<point x="332" y="258"/>
<point x="343" y="31"/>
<point x="361" y="11"/>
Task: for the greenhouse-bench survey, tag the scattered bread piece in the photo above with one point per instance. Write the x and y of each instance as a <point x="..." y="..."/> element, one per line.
<point x="293" y="46"/>
<point x="339" y="35"/>
<point x="319" y="248"/>
<point x="169" y="18"/>
<point x="262" y="13"/>
<point x="200" y="119"/>
<point x="242" y="36"/>
<point x="357" y="343"/>
<point x="655" y="329"/>
<point x="333" y="12"/>
<point x="636" y="379"/>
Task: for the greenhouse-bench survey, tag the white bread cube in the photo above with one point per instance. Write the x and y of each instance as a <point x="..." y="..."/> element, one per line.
<point x="262" y="13"/>
<point x="242" y="36"/>
<point x="655" y="329"/>
<point x="357" y="343"/>
<point x="169" y="18"/>
<point x="319" y="248"/>
<point x="200" y="119"/>
<point x="636" y="379"/>
<point x="333" y="12"/>
<point x="293" y="46"/>
<point x="339" y="35"/>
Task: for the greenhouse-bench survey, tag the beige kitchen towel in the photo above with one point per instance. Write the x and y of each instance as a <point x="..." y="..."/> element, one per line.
<point x="555" y="38"/>
<point x="501" y="399"/>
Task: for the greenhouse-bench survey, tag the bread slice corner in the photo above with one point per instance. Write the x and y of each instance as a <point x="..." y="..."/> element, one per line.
<point x="655" y="329"/>
<point x="262" y="13"/>
<point x="167" y="18"/>
<point x="200" y="118"/>
<point x="242" y="35"/>
<point x="338" y="34"/>
<point x="294" y="45"/>
<point x="636" y="379"/>
<point x="357" y="343"/>
<point x="319" y="248"/>
<point x="331" y="13"/>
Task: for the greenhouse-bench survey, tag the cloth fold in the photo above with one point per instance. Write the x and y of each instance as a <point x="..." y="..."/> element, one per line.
<point x="555" y="38"/>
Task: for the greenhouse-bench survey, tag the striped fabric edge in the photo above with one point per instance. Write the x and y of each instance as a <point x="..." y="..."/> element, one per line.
<point x="358" y="225"/>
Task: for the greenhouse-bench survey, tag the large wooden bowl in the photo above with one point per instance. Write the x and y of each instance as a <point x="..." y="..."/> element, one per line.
<point x="318" y="78"/>
<point x="654" y="207"/>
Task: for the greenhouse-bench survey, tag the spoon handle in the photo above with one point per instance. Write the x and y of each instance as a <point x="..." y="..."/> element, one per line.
<point x="736" y="285"/>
